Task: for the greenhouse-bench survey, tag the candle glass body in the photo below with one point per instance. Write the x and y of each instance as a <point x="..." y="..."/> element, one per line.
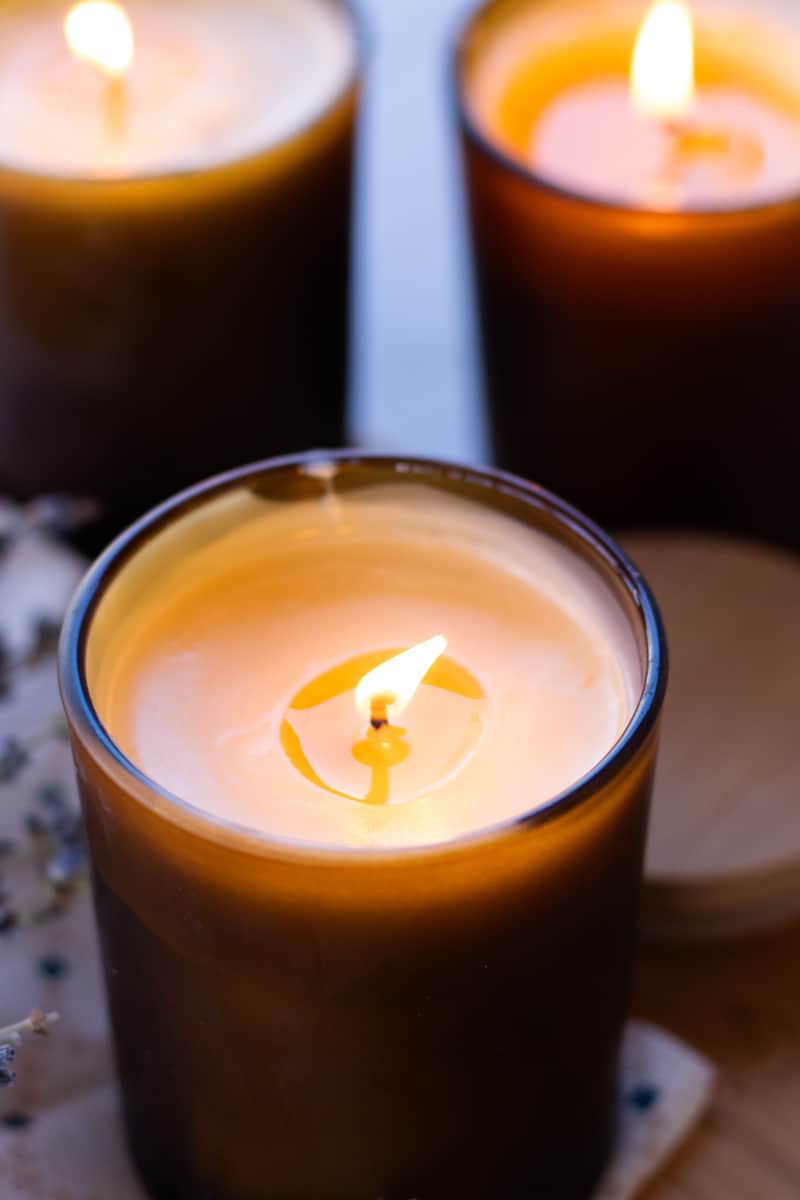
<point x="158" y="330"/>
<point x="293" y="1021"/>
<point x="641" y="363"/>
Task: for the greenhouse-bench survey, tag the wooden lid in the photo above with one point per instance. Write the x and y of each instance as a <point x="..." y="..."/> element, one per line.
<point x="724" y="850"/>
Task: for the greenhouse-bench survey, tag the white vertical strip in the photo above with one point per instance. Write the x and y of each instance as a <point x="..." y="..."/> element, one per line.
<point x="414" y="357"/>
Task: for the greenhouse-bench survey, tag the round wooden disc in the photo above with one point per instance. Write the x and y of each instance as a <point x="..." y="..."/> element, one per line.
<point x="724" y="848"/>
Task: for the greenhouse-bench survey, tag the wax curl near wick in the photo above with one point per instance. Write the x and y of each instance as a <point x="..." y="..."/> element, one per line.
<point x="383" y="748"/>
<point x="735" y="157"/>
<point x="384" y="745"/>
<point x="688" y="143"/>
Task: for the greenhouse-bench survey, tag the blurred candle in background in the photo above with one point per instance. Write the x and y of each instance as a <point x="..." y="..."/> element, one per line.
<point x="174" y="197"/>
<point x="634" y="180"/>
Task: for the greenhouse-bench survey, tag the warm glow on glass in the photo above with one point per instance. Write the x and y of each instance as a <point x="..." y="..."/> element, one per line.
<point x="391" y="687"/>
<point x="100" y="33"/>
<point x="662" y="68"/>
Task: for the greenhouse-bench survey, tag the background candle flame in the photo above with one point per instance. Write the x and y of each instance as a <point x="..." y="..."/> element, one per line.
<point x="662" y="67"/>
<point x="397" y="680"/>
<point x="100" y="33"/>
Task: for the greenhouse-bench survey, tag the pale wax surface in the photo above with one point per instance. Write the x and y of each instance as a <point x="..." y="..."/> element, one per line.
<point x="195" y="661"/>
<point x="212" y="81"/>
<point x="589" y="127"/>
<point x="585" y="133"/>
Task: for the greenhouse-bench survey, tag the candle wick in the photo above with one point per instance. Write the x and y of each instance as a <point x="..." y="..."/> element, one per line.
<point x="379" y="705"/>
<point x="116" y="109"/>
<point x="673" y="128"/>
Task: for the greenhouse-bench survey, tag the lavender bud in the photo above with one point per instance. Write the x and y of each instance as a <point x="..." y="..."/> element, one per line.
<point x="66" y="866"/>
<point x="8" y="915"/>
<point x="52" y="796"/>
<point x="13" y="757"/>
<point x="36" y="825"/>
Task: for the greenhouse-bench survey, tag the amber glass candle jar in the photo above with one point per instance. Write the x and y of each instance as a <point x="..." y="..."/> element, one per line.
<point x="174" y="295"/>
<point x="342" y="1016"/>
<point x="640" y="361"/>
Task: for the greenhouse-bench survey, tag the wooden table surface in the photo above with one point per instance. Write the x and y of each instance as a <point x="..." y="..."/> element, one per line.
<point x="740" y="1005"/>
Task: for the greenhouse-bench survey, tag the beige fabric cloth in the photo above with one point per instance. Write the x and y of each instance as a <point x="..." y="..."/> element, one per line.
<point x="72" y="1148"/>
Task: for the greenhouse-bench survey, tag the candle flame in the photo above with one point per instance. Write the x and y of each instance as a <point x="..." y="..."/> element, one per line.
<point x="100" y="33"/>
<point x="662" y="67"/>
<point x="393" y="685"/>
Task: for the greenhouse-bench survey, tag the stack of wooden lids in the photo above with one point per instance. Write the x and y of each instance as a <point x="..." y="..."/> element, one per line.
<point x="724" y="852"/>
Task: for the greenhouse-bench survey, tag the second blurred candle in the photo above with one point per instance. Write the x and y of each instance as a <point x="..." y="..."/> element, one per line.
<point x="174" y="197"/>
<point x="634" y="185"/>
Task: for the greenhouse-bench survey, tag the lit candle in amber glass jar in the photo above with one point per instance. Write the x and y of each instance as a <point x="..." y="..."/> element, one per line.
<point x="174" y="204"/>
<point x="365" y="750"/>
<point x="634" y="181"/>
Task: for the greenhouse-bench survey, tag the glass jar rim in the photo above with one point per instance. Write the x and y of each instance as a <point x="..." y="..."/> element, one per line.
<point x="88" y="728"/>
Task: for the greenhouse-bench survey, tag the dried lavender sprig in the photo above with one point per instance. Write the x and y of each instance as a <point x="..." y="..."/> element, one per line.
<point x="14" y="757"/>
<point x="16" y="753"/>
<point x="55" y="835"/>
<point x="7" y="1055"/>
<point x="37" y="1022"/>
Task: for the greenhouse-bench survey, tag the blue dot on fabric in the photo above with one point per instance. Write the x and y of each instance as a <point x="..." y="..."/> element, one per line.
<point x="17" y="1120"/>
<point x="53" y="966"/>
<point x="643" y="1097"/>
